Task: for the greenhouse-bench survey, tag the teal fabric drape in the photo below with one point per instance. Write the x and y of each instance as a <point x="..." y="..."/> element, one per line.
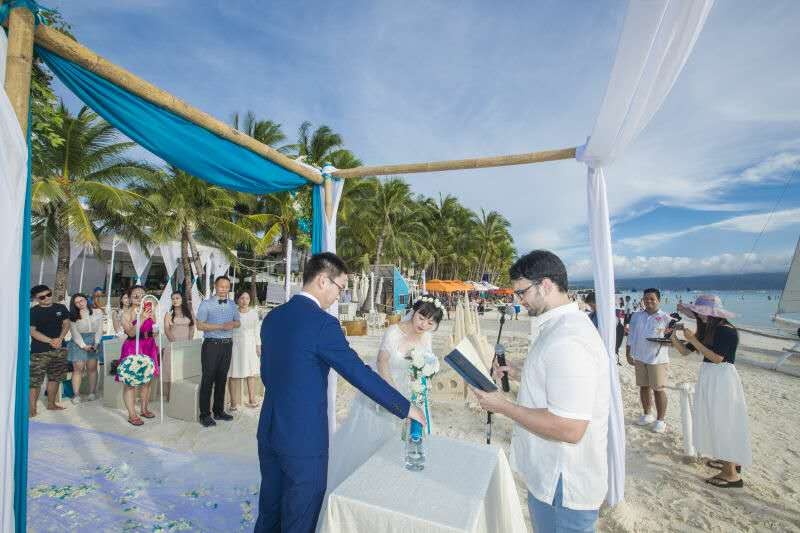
<point x="23" y="364"/>
<point x="171" y="137"/>
<point x="318" y="220"/>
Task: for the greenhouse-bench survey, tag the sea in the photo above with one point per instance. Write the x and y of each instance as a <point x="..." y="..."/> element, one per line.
<point x="753" y="308"/>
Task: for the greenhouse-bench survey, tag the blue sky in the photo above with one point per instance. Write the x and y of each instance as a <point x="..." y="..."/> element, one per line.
<point x="417" y="81"/>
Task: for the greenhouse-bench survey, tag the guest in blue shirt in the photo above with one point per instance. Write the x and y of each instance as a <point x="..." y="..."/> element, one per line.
<point x="217" y="317"/>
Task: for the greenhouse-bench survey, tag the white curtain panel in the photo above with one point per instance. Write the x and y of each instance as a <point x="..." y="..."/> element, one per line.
<point x="140" y="258"/>
<point x="170" y="253"/>
<point x="330" y="246"/>
<point x="75" y="248"/>
<point x="657" y="38"/>
<point x="14" y="172"/>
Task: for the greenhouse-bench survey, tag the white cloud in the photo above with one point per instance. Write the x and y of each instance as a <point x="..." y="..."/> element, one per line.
<point x="649" y="266"/>
<point x="745" y="223"/>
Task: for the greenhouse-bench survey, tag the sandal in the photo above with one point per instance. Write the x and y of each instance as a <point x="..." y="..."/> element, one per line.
<point x="148" y="414"/>
<point x="136" y="421"/>
<point x="725" y="484"/>
<point x="713" y="463"/>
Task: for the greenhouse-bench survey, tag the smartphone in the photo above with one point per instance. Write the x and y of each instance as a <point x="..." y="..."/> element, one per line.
<point x="148" y="306"/>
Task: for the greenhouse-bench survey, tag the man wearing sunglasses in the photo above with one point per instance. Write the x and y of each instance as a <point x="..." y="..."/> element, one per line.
<point x="49" y="326"/>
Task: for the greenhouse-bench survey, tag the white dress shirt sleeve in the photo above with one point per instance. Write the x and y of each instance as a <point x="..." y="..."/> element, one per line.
<point x="571" y="381"/>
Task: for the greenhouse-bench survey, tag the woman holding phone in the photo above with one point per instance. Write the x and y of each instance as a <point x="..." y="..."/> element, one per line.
<point x="147" y="346"/>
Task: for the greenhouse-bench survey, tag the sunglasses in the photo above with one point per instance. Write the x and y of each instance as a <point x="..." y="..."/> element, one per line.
<point x="44" y="296"/>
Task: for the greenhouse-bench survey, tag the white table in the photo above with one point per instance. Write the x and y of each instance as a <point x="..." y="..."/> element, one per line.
<point x="464" y="487"/>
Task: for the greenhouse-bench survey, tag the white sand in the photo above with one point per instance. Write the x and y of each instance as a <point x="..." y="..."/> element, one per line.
<point x="664" y="490"/>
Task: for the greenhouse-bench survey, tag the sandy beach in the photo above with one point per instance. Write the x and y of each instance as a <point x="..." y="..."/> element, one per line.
<point x="664" y="489"/>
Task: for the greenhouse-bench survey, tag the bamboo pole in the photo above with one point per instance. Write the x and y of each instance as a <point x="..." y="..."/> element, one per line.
<point x="19" y="60"/>
<point x="61" y="45"/>
<point x="458" y="164"/>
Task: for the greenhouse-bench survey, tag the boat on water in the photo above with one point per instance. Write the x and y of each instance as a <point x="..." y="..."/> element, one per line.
<point x="787" y="317"/>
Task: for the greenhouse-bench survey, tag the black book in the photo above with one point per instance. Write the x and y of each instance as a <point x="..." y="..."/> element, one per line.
<point x="467" y="363"/>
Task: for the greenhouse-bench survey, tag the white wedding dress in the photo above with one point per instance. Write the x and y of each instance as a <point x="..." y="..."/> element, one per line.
<point x="369" y="426"/>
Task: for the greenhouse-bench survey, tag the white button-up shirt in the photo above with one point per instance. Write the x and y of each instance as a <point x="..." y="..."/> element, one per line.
<point x="642" y="326"/>
<point x="566" y="372"/>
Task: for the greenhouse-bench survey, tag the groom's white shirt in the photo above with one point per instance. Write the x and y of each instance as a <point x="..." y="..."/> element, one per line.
<point x="310" y="297"/>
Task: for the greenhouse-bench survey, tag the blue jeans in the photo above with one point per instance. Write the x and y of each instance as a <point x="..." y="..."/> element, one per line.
<point x="556" y="518"/>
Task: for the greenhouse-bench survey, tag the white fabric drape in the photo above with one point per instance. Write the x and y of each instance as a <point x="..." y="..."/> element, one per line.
<point x="657" y="38"/>
<point x="330" y="246"/>
<point x="170" y="253"/>
<point x="14" y="173"/>
<point x="139" y="257"/>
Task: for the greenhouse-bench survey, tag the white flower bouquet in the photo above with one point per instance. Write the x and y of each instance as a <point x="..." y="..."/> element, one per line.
<point x="423" y="365"/>
<point x="136" y="370"/>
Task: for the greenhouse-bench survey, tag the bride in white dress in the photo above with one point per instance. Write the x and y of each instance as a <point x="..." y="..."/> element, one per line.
<point x="368" y="426"/>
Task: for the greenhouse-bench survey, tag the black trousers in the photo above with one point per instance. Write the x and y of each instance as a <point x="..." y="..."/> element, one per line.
<point x="216" y="360"/>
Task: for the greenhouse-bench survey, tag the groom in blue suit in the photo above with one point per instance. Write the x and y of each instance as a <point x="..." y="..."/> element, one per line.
<point x="300" y="343"/>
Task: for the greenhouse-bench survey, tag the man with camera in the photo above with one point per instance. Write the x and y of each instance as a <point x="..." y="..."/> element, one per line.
<point x="650" y="358"/>
<point x="559" y="443"/>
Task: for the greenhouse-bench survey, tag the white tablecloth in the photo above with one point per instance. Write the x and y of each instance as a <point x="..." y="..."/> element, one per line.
<point x="464" y="487"/>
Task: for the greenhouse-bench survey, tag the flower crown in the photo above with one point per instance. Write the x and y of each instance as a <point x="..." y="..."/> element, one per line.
<point x="432" y="300"/>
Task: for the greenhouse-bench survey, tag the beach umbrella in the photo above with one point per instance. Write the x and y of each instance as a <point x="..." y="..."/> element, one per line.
<point x="364" y="287"/>
<point x="459" y="329"/>
<point x="354" y="289"/>
<point x="379" y="293"/>
<point x="372" y="292"/>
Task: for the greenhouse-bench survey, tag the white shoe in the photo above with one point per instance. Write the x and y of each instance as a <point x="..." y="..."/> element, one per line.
<point x="660" y="426"/>
<point x="645" y="420"/>
<point x="76" y="400"/>
<point x="91" y="397"/>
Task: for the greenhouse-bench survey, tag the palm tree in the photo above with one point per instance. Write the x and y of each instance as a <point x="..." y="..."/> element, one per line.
<point x="273" y="213"/>
<point x="183" y="207"/>
<point x="264" y="131"/>
<point x="76" y="184"/>
<point x="491" y="231"/>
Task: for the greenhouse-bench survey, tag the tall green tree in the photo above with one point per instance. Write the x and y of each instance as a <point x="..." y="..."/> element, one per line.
<point x="77" y="183"/>
<point x="185" y="208"/>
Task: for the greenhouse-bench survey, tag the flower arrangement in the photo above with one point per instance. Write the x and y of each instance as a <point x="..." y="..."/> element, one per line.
<point x="423" y="366"/>
<point x="136" y="370"/>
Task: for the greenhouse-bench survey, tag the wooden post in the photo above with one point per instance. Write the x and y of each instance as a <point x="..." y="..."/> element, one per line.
<point x="63" y="46"/>
<point x="328" y="185"/>
<point x="19" y="62"/>
<point x="458" y="164"/>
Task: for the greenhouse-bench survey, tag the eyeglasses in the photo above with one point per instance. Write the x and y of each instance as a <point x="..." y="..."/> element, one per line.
<point x="521" y="292"/>
<point x="337" y="285"/>
<point x="44" y="296"/>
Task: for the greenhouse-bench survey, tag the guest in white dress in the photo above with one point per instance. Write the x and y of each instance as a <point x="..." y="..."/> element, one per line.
<point x="368" y="426"/>
<point x="178" y="326"/>
<point x="83" y="351"/>
<point x="246" y="354"/>
<point x="116" y="314"/>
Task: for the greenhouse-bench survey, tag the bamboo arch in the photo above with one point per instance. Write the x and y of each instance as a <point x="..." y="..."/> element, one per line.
<point x="22" y="34"/>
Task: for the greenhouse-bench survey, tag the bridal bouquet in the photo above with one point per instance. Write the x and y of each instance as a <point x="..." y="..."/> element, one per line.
<point x="136" y="370"/>
<point x="423" y="366"/>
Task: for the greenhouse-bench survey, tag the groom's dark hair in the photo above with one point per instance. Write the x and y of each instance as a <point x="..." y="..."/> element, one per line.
<point x="326" y="262"/>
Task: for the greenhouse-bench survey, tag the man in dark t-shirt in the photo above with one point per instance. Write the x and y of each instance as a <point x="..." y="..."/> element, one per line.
<point x="49" y="326"/>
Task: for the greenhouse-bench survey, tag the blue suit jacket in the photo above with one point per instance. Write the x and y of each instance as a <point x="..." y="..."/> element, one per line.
<point x="299" y="344"/>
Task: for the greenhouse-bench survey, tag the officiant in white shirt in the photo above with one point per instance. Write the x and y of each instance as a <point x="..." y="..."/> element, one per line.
<point x="559" y="443"/>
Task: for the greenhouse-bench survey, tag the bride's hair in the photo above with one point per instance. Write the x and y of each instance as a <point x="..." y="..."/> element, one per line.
<point x="429" y="307"/>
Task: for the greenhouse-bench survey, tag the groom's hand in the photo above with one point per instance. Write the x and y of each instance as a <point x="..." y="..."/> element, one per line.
<point x="415" y="413"/>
